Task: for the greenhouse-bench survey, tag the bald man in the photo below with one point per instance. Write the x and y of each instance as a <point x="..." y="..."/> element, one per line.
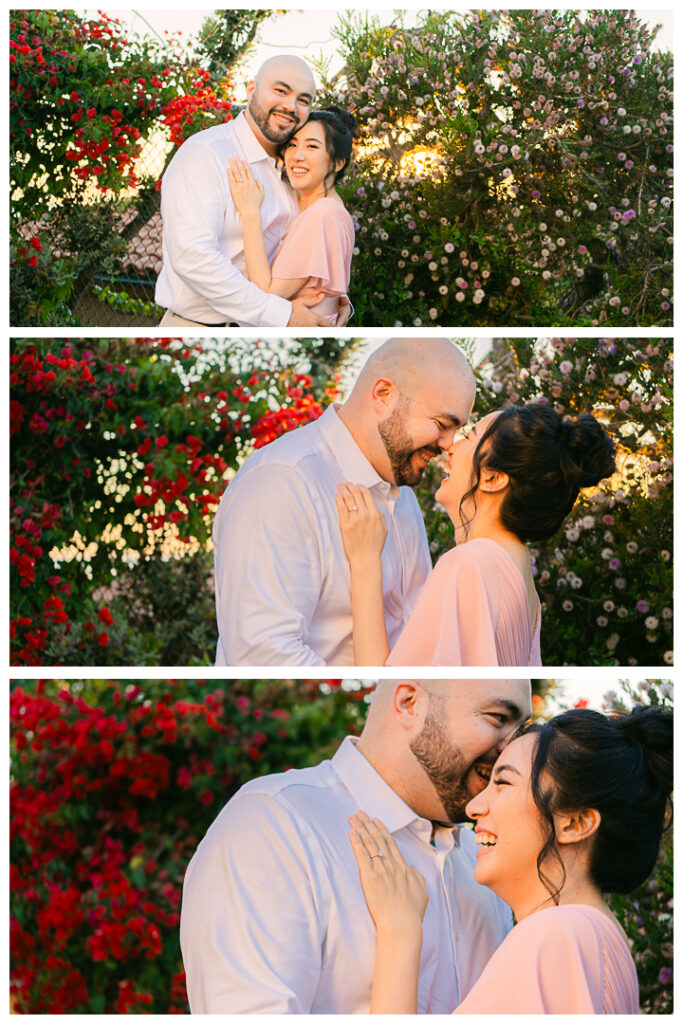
<point x="282" y="578"/>
<point x="273" y="915"/>
<point x="202" y="280"/>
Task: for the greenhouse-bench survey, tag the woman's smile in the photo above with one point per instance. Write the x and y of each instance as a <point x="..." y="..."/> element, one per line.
<point x="306" y="157"/>
<point x="508" y="830"/>
<point x="448" y="466"/>
<point x="485" y="841"/>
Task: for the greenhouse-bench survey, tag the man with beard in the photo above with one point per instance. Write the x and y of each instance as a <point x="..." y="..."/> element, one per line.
<point x="273" y="915"/>
<point x="281" y="575"/>
<point x="202" y="280"/>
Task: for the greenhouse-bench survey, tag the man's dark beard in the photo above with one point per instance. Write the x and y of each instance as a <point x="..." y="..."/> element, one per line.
<point x="399" y="447"/>
<point x="442" y="762"/>
<point x="261" y="118"/>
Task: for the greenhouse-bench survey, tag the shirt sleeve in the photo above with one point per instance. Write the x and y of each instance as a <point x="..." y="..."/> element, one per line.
<point x="249" y="929"/>
<point x="454" y="622"/>
<point x="194" y="194"/>
<point x="318" y="246"/>
<point x="550" y="963"/>
<point x="268" y="569"/>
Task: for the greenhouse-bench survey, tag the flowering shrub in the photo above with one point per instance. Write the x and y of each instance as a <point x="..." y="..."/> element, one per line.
<point x="515" y="168"/>
<point x="114" y="783"/>
<point x="83" y="98"/>
<point x="113" y="786"/>
<point x="102" y="92"/>
<point x="120" y="453"/>
<point x="606" y="580"/>
<point x="197" y="109"/>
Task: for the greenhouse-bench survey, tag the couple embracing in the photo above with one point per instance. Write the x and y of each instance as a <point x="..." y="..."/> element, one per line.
<point x="254" y="232"/>
<point x="320" y="549"/>
<point x="354" y="887"/>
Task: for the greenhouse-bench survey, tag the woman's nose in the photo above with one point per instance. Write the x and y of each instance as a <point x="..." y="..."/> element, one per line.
<point x="477" y="806"/>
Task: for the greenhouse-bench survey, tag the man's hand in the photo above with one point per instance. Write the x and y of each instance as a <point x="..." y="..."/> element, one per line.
<point x="304" y="316"/>
<point x="344" y="310"/>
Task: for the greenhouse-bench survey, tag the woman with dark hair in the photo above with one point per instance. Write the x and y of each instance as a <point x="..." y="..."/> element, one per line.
<point x="512" y="479"/>
<point x="315" y="256"/>
<point x="574" y="809"/>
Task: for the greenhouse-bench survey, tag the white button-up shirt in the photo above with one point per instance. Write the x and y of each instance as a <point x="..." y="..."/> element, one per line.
<point x="273" y="915"/>
<point x="282" y="577"/>
<point x="203" y="272"/>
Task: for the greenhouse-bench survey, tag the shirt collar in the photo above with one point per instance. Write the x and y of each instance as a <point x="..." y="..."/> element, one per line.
<point x="253" y="149"/>
<point x="374" y="795"/>
<point x="356" y="467"/>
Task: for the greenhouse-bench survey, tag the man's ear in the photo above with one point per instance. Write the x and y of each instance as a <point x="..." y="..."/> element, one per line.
<point x="408" y="701"/>
<point x="384" y="394"/>
<point x="493" y="481"/>
<point x="575" y="826"/>
<point x="250" y="87"/>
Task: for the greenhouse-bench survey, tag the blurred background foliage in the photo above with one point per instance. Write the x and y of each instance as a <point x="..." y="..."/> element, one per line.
<point x="514" y="167"/>
<point x="113" y="785"/>
<point x="120" y="451"/>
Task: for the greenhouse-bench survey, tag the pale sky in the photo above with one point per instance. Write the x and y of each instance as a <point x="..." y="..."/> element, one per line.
<point x="574" y="690"/>
<point x="569" y="691"/>
<point x="307" y="33"/>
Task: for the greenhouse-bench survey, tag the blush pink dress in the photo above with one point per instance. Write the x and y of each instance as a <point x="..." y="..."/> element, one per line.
<point x="567" y="959"/>
<point x="319" y="245"/>
<point x="473" y="610"/>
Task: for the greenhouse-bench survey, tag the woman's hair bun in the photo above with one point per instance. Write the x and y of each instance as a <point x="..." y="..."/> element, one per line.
<point x="651" y="729"/>
<point x="347" y="119"/>
<point x="587" y="454"/>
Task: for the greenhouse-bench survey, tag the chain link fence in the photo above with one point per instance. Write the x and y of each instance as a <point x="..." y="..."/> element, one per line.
<point x="125" y="297"/>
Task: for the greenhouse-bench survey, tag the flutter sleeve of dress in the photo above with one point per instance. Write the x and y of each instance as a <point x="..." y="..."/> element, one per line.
<point x="559" y="960"/>
<point x="319" y="245"/>
<point x="454" y="621"/>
